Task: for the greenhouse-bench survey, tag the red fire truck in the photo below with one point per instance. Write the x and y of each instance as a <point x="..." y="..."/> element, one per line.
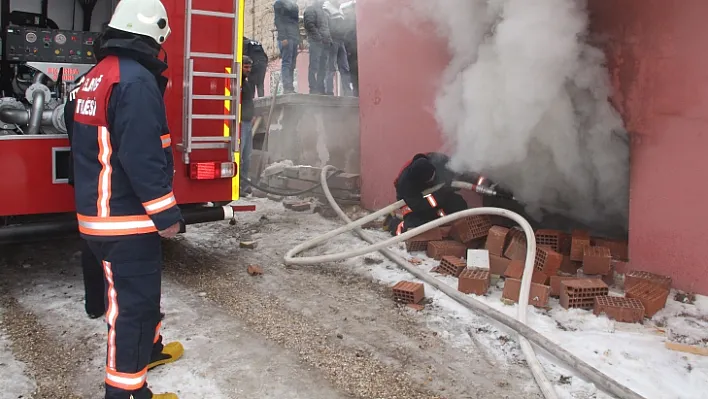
<point x="44" y="52"/>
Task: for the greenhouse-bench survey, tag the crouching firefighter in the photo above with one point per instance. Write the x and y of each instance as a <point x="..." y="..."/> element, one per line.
<point x="123" y="172"/>
<point x="421" y="173"/>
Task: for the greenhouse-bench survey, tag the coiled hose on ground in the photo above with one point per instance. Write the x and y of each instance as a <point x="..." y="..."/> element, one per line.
<point x="526" y="333"/>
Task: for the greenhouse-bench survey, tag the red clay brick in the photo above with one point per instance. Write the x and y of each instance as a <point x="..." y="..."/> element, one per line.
<point x="626" y="310"/>
<point x="254" y="270"/>
<point x="496" y="240"/>
<point x="470" y="228"/>
<point x="445" y="230"/>
<point x="581" y="293"/>
<point x="498" y="265"/>
<point x="452" y="265"/>
<point x="420" y="242"/>
<point x="514" y="270"/>
<point x="538" y="295"/>
<point x="652" y="296"/>
<point x="516" y="250"/>
<point x="408" y="292"/>
<point x="474" y="281"/>
<point x="556" y="284"/>
<point x="552" y="238"/>
<point x="438" y="249"/>
<point x="597" y="260"/>
<point x="548" y="261"/>
<point x="569" y="266"/>
<point x="416" y="246"/>
<point x="539" y="277"/>
<point x="632" y="278"/>
<point x="618" y="248"/>
<point x="579" y="240"/>
<point x="430" y="235"/>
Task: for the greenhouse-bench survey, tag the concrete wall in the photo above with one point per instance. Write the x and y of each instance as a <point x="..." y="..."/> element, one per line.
<point x="312" y="130"/>
<point x="658" y="61"/>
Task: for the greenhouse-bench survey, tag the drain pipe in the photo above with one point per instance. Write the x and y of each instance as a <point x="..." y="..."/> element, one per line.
<point x="519" y="325"/>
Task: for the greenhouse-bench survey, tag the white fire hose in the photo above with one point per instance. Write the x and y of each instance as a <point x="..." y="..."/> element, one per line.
<point x="519" y="325"/>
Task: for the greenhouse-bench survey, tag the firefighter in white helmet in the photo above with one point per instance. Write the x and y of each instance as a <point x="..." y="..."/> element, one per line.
<point x="123" y="170"/>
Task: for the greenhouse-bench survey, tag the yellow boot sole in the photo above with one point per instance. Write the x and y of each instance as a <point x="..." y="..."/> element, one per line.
<point x="164" y="396"/>
<point x="174" y="351"/>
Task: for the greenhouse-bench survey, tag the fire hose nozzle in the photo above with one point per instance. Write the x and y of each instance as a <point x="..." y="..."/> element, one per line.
<point x="481" y="190"/>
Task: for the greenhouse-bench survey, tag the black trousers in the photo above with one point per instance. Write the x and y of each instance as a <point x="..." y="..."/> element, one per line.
<point x="94" y="285"/>
<point x="449" y="204"/>
<point x="133" y="269"/>
<point x="257" y="76"/>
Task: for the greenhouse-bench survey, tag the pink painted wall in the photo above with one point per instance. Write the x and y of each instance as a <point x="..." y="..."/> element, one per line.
<point x="659" y="66"/>
<point x="399" y="66"/>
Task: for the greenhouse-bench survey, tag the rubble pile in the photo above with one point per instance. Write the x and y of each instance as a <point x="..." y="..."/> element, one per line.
<point x="576" y="268"/>
<point x="285" y="177"/>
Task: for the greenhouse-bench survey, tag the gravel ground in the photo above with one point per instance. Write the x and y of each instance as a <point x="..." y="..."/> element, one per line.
<point x="317" y="332"/>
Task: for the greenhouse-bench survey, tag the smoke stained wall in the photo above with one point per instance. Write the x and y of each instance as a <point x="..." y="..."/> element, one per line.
<point x="525" y="100"/>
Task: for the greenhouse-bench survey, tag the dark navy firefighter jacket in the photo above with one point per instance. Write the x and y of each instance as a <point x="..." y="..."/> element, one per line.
<point x="121" y="152"/>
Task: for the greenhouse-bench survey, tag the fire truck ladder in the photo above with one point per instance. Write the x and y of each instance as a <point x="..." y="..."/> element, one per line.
<point x="191" y="143"/>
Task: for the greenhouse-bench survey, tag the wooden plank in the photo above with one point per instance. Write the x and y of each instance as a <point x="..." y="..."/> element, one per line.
<point x="695" y="350"/>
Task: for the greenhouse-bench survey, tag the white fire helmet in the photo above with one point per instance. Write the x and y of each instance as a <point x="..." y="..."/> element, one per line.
<point x="142" y="17"/>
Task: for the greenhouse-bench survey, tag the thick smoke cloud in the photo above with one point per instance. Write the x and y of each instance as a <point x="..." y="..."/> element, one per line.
<point x="525" y="100"/>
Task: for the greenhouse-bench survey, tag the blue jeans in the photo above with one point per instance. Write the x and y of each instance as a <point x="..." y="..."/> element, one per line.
<point x="337" y="60"/>
<point x="288" y="55"/>
<point x="246" y="150"/>
<point x="318" y="67"/>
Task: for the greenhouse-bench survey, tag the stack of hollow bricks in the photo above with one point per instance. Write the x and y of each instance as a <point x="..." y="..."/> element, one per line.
<point x="571" y="267"/>
<point x="449" y="244"/>
<point x="344" y="186"/>
<point x="450" y="240"/>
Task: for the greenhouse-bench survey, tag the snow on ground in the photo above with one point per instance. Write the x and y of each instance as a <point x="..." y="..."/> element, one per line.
<point x="633" y="354"/>
<point x="230" y="362"/>
<point x="14" y="383"/>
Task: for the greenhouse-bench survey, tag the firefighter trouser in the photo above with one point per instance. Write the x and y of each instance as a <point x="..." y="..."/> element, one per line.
<point x="132" y="270"/>
<point x="94" y="286"/>
<point x="448" y="204"/>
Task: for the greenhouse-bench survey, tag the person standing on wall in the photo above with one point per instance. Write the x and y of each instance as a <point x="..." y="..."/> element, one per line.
<point x="254" y="50"/>
<point x="336" y="58"/>
<point x="350" y="44"/>
<point x="123" y="171"/>
<point x="287" y="23"/>
<point x="320" y="42"/>
<point x="247" y="115"/>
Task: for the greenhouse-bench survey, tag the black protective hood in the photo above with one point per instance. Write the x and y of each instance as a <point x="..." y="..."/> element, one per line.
<point x="140" y="48"/>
